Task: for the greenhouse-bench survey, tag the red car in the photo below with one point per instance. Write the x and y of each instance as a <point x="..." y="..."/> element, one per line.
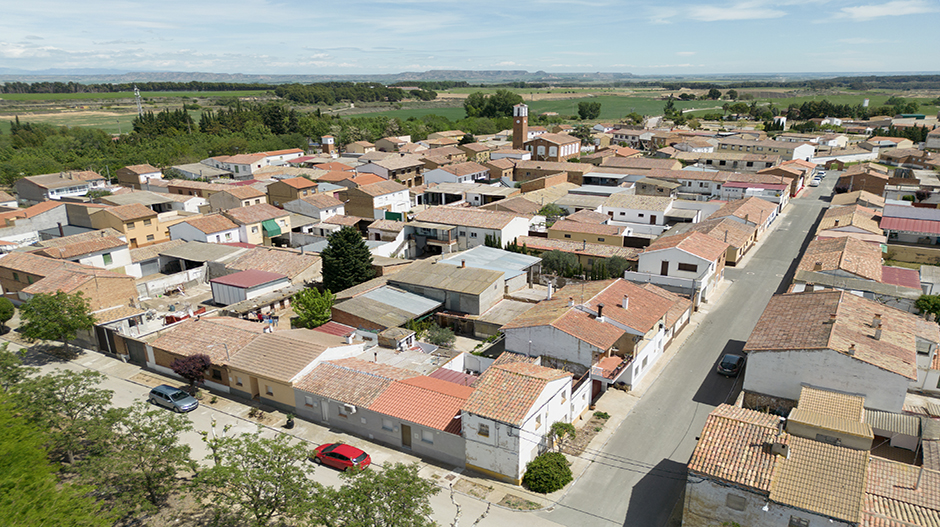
<point x="341" y="456"/>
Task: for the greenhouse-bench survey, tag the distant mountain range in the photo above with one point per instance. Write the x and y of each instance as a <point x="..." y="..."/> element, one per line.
<point x="94" y="76"/>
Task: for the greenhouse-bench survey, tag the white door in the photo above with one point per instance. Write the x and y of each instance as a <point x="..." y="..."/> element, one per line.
<point x="325" y="410"/>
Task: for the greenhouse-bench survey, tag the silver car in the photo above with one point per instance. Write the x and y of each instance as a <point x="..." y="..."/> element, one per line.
<point x="173" y="398"/>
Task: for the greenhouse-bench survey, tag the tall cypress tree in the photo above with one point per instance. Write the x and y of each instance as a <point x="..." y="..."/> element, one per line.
<point x="346" y="260"/>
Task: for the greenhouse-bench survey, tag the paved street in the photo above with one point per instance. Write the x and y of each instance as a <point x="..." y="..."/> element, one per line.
<point x="638" y="477"/>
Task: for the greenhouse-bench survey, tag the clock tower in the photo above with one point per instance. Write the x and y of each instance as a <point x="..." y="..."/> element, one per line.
<point x="520" y="126"/>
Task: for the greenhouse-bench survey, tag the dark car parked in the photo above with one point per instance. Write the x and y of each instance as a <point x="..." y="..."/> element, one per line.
<point x="173" y="398"/>
<point x="731" y="365"/>
<point x="341" y="456"/>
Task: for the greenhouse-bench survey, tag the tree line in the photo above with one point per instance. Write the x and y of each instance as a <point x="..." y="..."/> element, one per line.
<point x="77" y="87"/>
<point x="328" y="93"/>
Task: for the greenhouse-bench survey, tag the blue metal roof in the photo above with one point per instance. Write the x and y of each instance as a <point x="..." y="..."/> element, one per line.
<point x="482" y="257"/>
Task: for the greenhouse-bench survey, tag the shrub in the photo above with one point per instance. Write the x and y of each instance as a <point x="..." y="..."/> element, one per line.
<point x="439" y="336"/>
<point x="547" y="473"/>
<point x="602" y="415"/>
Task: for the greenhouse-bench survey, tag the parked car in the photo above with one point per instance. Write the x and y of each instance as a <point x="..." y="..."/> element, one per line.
<point x="814" y="183"/>
<point x="821" y="174"/>
<point x="731" y="365"/>
<point x="340" y="456"/>
<point x="173" y="398"/>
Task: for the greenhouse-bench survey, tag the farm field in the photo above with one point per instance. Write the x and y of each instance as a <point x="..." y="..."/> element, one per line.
<point x="111" y="122"/>
<point x="125" y="95"/>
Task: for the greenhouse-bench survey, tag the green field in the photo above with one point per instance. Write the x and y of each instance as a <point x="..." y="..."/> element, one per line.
<point x="111" y="123"/>
<point x="125" y="95"/>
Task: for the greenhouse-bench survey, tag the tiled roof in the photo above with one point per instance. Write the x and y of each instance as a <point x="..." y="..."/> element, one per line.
<point x="837" y="404"/>
<point x="680" y="303"/>
<point x="694" y="243"/>
<point x="387" y="225"/>
<point x="588" y="216"/>
<point x="322" y="201"/>
<point x="255" y="213"/>
<point x="142" y="169"/>
<point x="821" y="478"/>
<point x="800" y="321"/>
<point x="425" y="401"/>
<point x="274" y="260"/>
<point x="133" y="211"/>
<point x="79" y="248"/>
<point x="850" y="198"/>
<point x="335" y="176"/>
<point x="29" y="212"/>
<point x="639" y="163"/>
<point x="892" y="491"/>
<point x="298" y="183"/>
<point x="634" y="202"/>
<point x="346" y="221"/>
<point x="63" y="179"/>
<point x="587" y="228"/>
<point x="400" y="161"/>
<point x="466" y="217"/>
<point x="382" y="188"/>
<point x="351" y="381"/>
<point x="283" y="354"/>
<point x="465" y="169"/>
<point x="212" y="223"/>
<point x="756" y="210"/>
<point x="851" y="215"/>
<point x="558" y="139"/>
<point x="365" y="179"/>
<point x="734" y="447"/>
<point x="216" y="337"/>
<point x="518" y="205"/>
<point x="568" y="246"/>
<point x="507" y="392"/>
<point x="735" y="234"/>
<point x="846" y="254"/>
<point x="63" y="241"/>
<point x="245" y="192"/>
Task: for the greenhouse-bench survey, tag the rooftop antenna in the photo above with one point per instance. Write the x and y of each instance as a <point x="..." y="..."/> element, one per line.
<point x="140" y="109"/>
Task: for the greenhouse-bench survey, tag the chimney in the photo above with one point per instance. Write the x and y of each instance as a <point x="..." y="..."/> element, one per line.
<point x="851" y="351"/>
<point x="583" y="244"/>
<point x="600" y="312"/>
<point x="780" y="449"/>
<point x="548" y="295"/>
<point x="878" y="331"/>
<point x="349" y="338"/>
<point x="876" y="321"/>
<point x="626" y="302"/>
<point x="570" y="301"/>
<point x="817" y="266"/>
<point x="836" y="224"/>
<point x="61" y="232"/>
<point x="832" y="318"/>
<point x="463" y="264"/>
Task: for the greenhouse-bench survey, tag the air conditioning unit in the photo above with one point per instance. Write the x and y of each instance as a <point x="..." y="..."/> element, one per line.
<point x="350" y="409"/>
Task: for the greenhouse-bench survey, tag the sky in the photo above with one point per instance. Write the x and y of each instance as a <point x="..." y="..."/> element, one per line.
<point x="643" y="37"/>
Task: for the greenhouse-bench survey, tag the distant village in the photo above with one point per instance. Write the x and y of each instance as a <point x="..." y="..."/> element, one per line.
<point x="838" y="421"/>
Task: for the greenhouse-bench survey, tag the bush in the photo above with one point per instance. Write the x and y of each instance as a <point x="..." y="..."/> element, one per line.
<point x="602" y="415"/>
<point x="439" y="336"/>
<point x="547" y="473"/>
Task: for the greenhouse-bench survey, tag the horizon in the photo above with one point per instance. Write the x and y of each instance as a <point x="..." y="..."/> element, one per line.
<point x="383" y="37"/>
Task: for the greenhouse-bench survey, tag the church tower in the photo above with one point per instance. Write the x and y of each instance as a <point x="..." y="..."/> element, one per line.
<point x="327" y="144"/>
<point x="520" y="126"/>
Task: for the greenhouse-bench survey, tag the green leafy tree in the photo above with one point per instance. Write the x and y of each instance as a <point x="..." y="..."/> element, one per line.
<point x="929" y="304"/>
<point x="714" y="94"/>
<point x="584" y="133"/>
<point x="32" y="494"/>
<point x="467" y="139"/>
<point x="561" y="430"/>
<point x="547" y="473"/>
<point x="141" y="467"/>
<point x="7" y="310"/>
<point x="313" y="307"/>
<point x="259" y="478"/>
<point x="440" y="336"/>
<point x="552" y="212"/>
<point x="71" y="407"/>
<point x="347" y="261"/>
<point x="474" y="104"/>
<point x="58" y="316"/>
<point x="393" y="496"/>
<point x="12" y="370"/>
<point x="617" y="265"/>
<point x="560" y="263"/>
<point x="589" y="110"/>
<point x="732" y="94"/>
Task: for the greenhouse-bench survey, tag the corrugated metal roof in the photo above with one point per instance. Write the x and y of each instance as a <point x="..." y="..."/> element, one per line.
<point x="447" y="278"/>
<point x="409" y="302"/>
<point x="481" y="257"/>
<point x="909" y="225"/>
<point x="891" y="422"/>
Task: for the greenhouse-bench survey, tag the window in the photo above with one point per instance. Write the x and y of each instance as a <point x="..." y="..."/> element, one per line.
<point x="737" y="503"/>
<point x="308" y="401"/>
<point x="796" y="521"/>
<point x="16" y="277"/>
<point x="216" y="374"/>
<point x="692" y="268"/>
<point x="538" y="421"/>
<point x="238" y="381"/>
<point x="150" y="237"/>
<point x="29" y="279"/>
<point x="483" y="430"/>
<point x="567" y="236"/>
<point x="427" y="436"/>
<point x="342" y="411"/>
<point x="268" y="390"/>
<point x="387" y="425"/>
<point x="564" y="397"/>
<point x="228" y="236"/>
<point x="147" y="222"/>
<point x="473" y="235"/>
<point x="129" y="226"/>
<point x="254" y="230"/>
<point x="106" y="257"/>
<point x="462" y="233"/>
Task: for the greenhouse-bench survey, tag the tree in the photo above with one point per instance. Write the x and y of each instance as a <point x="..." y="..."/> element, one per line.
<point x="192" y="368"/>
<point x="584" y="133"/>
<point x="617" y="265"/>
<point x="313" y="308"/>
<point x="492" y="240"/>
<point x="928" y="304"/>
<point x="140" y="468"/>
<point x="32" y="495"/>
<point x="466" y="139"/>
<point x="260" y="478"/>
<point x="560" y="263"/>
<point x="56" y="316"/>
<point x="714" y="94"/>
<point x="7" y="310"/>
<point x="393" y="496"/>
<point x="552" y="212"/>
<point x="71" y="406"/>
<point x="346" y="260"/>
<point x="12" y="370"/>
<point x="732" y="94"/>
<point x="547" y="473"/>
<point x="440" y="336"/>
<point x="559" y="431"/>
<point x="589" y="110"/>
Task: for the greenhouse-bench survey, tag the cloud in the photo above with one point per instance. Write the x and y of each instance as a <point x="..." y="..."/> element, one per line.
<point x="739" y="11"/>
<point x="686" y="53"/>
<point x="894" y="8"/>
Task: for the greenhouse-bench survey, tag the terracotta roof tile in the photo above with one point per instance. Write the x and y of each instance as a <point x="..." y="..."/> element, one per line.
<point x="274" y="260"/>
<point x="587" y="228"/>
<point x="255" y="213"/>
<point x="351" y="381"/>
<point x="466" y="217"/>
<point x="846" y="254"/>
<point x="133" y="211"/>
<point x="216" y="337"/>
<point x="245" y="192"/>
<point x="283" y="354"/>
<point x="507" y="392"/>
<point x="322" y="201"/>
<point x="424" y="400"/>
<point x="755" y="210"/>
<point x="694" y="243"/>
<point x="381" y="187"/>
<point x="735" y="234"/>
<point x="568" y="246"/>
<point x="299" y="183"/>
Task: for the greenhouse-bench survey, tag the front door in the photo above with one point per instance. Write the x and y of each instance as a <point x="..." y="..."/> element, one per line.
<point x="325" y="410"/>
<point x="255" y="391"/>
<point x="652" y="219"/>
<point x="664" y="269"/>
<point x="406" y="436"/>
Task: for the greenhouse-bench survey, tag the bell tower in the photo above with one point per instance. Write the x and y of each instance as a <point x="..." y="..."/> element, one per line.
<point x="520" y="126"/>
<point x="327" y="144"/>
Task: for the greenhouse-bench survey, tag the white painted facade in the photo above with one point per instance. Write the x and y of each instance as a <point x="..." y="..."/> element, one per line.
<point x="439" y="175"/>
<point x="557" y="348"/>
<point x="399" y="201"/>
<point x="783" y="374"/>
<point x="299" y="206"/>
<point x="504" y="449"/>
<point x="632" y="215"/>
<point x="185" y="231"/>
<point x="109" y="259"/>
<point x="226" y="294"/>
<point x="469" y="237"/>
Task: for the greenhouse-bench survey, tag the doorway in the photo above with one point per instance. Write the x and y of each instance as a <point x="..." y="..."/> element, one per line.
<point x="253" y="383"/>
<point x="664" y="268"/>
<point x="406" y="436"/>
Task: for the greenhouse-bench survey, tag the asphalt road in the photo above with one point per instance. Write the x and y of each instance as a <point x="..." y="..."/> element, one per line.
<point x="638" y="477"/>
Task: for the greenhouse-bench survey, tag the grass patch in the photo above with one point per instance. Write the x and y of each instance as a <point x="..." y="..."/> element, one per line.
<point x="908" y="265"/>
<point x="125" y="95"/>
<point x="473" y="489"/>
<point x="520" y="504"/>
